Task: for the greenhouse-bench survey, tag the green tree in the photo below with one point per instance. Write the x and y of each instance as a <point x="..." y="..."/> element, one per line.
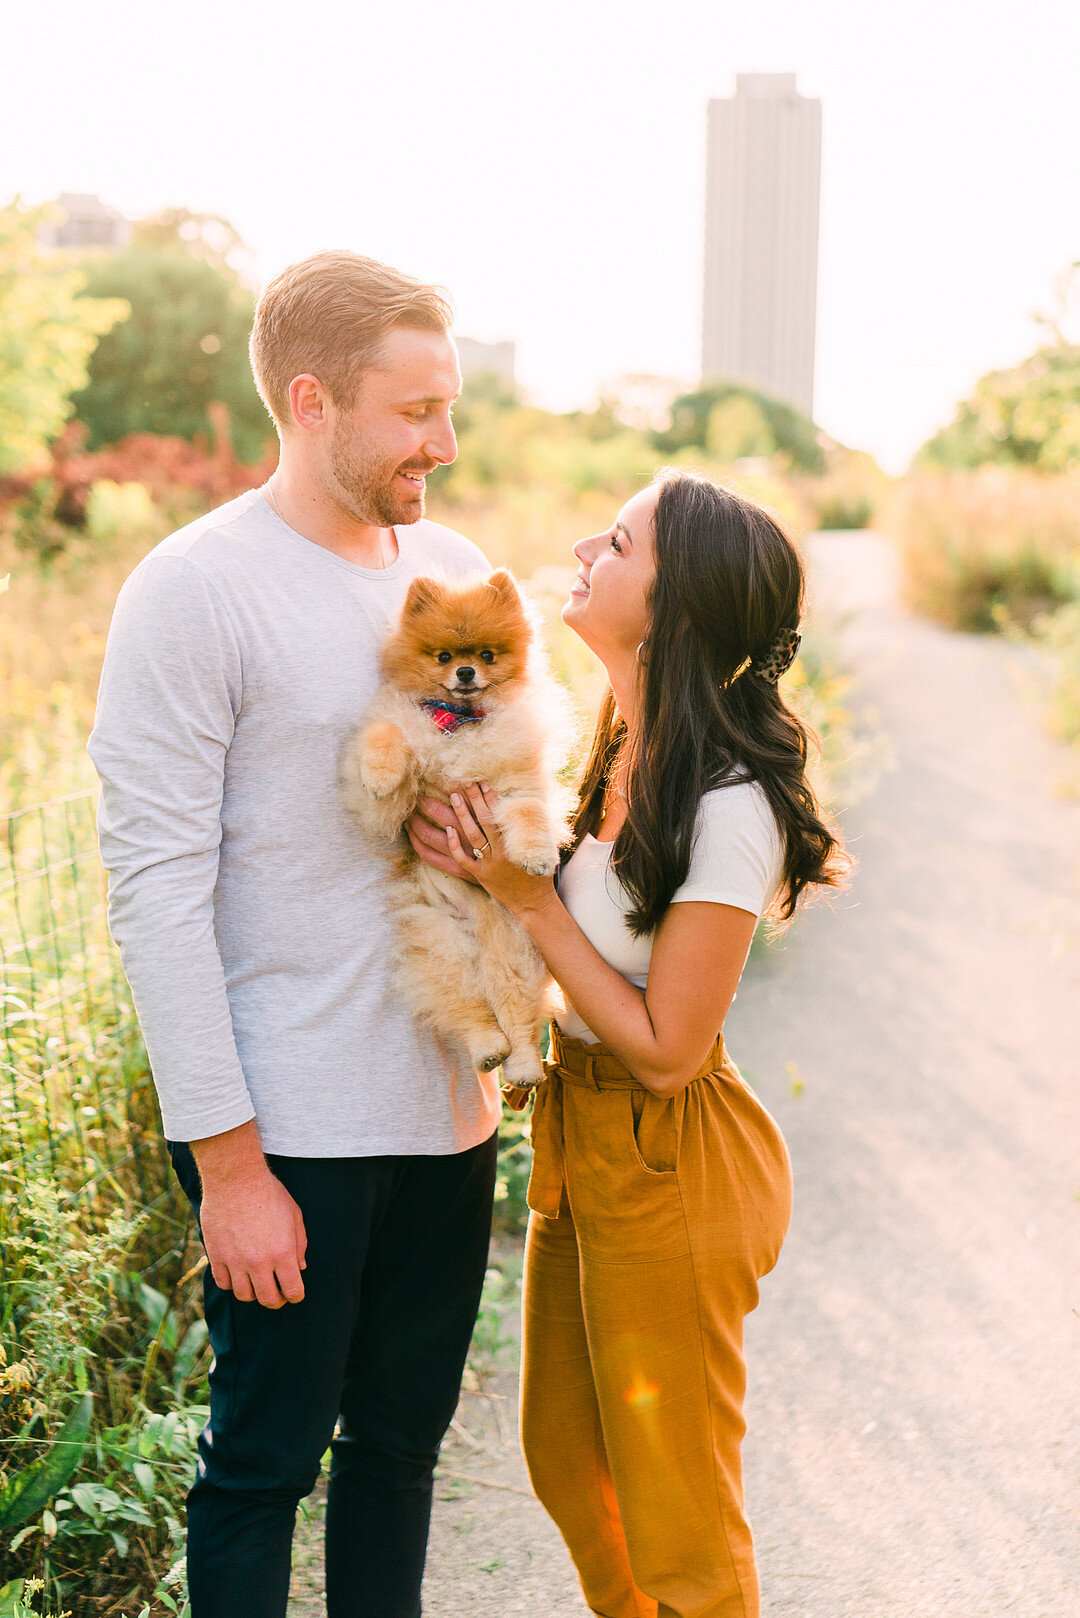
<point x="183" y="347"/>
<point x="203" y="235"/>
<point x="736" y="428"/>
<point x="485" y="396"/>
<point x="1026" y="416"/>
<point x="786" y="432"/>
<point x="504" y="442"/>
<point x="47" y="336"/>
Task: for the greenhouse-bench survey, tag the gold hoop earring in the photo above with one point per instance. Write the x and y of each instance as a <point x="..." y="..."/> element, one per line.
<point x="641" y="646"/>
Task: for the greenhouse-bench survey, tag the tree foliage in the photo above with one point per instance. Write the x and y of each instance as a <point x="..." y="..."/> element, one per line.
<point x="47" y="336"/>
<point x="504" y="442"/>
<point x="205" y="236"/>
<point x="184" y="345"/>
<point x="1029" y="414"/>
<point x="741" y="421"/>
<point x="737" y="427"/>
<point x="1026" y="416"/>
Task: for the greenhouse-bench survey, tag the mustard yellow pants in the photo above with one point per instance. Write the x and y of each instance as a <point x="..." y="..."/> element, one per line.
<point x="652" y="1223"/>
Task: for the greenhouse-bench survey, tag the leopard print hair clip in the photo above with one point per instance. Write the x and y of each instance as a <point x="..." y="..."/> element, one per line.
<point x="780" y="656"/>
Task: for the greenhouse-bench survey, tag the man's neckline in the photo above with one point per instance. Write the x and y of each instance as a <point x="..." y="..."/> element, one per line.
<point x="353" y="567"/>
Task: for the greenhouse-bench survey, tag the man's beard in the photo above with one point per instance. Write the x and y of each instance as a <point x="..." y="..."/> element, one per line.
<point x="369" y="487"/>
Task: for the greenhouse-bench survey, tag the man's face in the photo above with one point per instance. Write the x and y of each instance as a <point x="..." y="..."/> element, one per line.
<point x="399" y="429"/>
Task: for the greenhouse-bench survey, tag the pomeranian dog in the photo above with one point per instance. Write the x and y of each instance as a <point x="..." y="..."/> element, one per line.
<point x="465" y="697"/>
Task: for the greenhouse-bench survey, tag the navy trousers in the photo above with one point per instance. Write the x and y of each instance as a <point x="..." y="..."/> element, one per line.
<point x="397" y="1248"/>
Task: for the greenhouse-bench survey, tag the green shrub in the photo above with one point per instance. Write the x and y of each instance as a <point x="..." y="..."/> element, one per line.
<point x="78" y="1318"/>
<point x="512" y="1172"/>
<point x="27" y="1493"/>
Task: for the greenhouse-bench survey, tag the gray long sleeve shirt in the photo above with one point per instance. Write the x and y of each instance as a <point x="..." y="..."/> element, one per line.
<point x="249" y="911"/>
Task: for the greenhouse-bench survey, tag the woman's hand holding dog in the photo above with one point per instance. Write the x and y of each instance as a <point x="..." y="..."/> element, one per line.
<point x="478" y="849"/>
<point x="426" y="829"/>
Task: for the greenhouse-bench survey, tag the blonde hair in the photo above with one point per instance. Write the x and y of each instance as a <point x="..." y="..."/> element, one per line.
<point x="327" y="316"/>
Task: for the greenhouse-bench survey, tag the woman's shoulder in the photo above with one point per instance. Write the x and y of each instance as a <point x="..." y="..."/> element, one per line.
<point x="738" y="851"/>
<point x="739" y="800"/>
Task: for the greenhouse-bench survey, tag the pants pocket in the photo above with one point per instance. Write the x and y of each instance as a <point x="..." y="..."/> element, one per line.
<point x="656" y="1132"/>
<point x="627" y="1209"/>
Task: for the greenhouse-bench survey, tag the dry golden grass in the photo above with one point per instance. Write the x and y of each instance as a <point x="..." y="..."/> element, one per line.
<point x="54" y="617"/>
<point x="983" y="548"/>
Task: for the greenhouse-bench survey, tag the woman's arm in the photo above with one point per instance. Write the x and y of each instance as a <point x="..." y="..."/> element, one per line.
<point x="663" y="1033"/>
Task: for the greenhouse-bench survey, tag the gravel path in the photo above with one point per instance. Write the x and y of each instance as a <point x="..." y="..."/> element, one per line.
<point x="914" y="1420"/>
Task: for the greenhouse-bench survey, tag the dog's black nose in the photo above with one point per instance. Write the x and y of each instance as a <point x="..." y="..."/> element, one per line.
<point x="466" y="676"/>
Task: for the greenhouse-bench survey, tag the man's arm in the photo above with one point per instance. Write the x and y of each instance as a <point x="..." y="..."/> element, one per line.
<point x="170" y="690"/>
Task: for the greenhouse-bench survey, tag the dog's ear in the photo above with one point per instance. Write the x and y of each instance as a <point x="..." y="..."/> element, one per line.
<point x="423" y="593"/>
<point x="502" y="582"/>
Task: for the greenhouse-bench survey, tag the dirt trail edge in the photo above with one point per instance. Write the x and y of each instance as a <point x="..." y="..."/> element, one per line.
<point x="913" y="1427"/>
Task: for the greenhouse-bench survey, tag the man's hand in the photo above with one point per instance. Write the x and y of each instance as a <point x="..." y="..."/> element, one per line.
<point x="252" y="1229"/>
<point x="426" y="830"/>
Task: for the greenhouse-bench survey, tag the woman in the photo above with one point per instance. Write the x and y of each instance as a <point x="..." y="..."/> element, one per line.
<point x="661" y="1187"/>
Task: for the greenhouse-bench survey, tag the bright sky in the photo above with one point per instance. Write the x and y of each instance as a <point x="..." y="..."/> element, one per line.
<point x="546" y="163"/>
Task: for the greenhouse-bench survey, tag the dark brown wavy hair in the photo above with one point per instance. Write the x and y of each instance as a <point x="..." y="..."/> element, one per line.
<point x="728" y="581"/>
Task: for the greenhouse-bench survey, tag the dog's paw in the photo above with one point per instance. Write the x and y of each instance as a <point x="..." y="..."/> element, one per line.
<point x="488" y="1051"/>
<point x="384" y="758"/>
<point x="523" y="1069"/>
<point x="527" y="836"/>
<point x="540" y="864"/>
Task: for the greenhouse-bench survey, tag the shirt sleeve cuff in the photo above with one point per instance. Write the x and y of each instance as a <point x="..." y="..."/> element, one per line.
<point x="179" y="1124"/>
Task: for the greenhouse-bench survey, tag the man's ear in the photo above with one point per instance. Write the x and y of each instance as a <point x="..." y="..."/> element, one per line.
<point x="307" y="403"/>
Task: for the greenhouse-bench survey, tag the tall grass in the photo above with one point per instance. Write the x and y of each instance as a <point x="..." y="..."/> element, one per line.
<point x="850" y="494"/>
<point x="95" y="1251"/>
<point x="999" y="550"/>
<point x="980" y="548"/>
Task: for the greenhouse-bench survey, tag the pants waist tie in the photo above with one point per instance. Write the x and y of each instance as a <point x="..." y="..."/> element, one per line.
<point x="592" y="1067"/>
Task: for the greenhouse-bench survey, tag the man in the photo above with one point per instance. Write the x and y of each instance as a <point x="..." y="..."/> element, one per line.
<point x="341" y="1164"/>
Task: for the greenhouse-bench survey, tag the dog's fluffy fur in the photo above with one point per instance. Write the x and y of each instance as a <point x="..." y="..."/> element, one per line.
<point x="466" y="966"/>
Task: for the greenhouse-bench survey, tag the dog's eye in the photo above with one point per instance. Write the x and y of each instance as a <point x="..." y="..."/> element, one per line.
<point x="487" y="657"/>
<point x="444" y="657"/>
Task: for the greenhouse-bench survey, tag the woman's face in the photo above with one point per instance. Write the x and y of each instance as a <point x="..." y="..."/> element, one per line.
<point x="607" y="602"/>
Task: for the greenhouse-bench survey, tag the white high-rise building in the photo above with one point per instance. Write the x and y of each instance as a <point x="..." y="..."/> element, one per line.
<point x="763" y="184"/>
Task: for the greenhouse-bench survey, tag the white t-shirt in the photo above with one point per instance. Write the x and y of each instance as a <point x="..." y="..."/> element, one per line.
<point x="250" y="910"/>
<point x="737" y="859"/>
